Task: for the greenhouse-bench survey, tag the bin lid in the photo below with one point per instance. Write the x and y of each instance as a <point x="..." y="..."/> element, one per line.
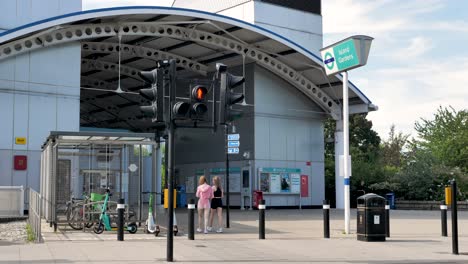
<point x="371" y="200"/>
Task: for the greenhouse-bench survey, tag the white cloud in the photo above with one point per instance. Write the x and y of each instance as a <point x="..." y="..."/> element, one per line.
<point x="408" y="76"/>
<point x="404" y="95"/>
<point x="417" y="47"/>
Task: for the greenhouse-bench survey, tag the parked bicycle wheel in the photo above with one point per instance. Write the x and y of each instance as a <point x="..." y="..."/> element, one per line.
<point x="74" y="217"/>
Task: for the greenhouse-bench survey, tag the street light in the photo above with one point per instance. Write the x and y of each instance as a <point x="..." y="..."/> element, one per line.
<point x="340" y="57"/>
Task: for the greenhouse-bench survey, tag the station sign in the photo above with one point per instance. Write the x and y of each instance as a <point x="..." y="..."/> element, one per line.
<point x="346" y="54"/>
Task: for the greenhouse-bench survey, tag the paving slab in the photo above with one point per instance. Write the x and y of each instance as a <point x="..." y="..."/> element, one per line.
<point x="293" y="236"/>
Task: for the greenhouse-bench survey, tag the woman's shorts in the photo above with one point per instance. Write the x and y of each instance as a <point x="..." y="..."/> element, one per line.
<point x="216" y="202"/>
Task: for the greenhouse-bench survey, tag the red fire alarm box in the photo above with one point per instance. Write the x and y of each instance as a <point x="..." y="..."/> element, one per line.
<point x="20" y="162"/>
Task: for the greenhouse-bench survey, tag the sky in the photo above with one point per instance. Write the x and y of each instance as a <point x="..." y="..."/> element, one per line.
<point x="418" y="59"/>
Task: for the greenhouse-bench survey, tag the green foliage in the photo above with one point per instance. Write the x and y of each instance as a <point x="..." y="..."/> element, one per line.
<point x="144" y="150"/>
<point x="414" y="170"/>
<point x="446" y="137"/>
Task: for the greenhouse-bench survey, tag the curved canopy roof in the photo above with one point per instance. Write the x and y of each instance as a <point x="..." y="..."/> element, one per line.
<point x="195" y="39"/>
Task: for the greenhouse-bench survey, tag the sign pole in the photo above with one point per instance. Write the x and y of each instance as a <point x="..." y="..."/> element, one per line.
<point x="341" y="57"/>
<point x="346" y="151"/>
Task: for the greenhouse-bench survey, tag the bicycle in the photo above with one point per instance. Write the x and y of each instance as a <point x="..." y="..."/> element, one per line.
<point x="74" y="213"/>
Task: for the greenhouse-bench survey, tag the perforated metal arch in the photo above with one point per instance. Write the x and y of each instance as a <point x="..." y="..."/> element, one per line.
<point x="131" y="72"/>
<point x="90" y="31"/>
<point x="97" y="83"/>
<point x="147" y="53"/>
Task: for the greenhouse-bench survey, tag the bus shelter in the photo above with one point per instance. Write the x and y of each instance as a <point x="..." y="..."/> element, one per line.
<point x="78" y="168"/>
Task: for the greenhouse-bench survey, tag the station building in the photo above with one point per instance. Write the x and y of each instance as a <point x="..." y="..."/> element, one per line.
<point x="67" y="69"/>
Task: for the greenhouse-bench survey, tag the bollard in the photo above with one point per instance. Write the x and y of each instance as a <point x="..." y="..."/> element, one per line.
<point x="443" y="218"/>
<point x="326" y="219"/>
<point x="191" y="220"/>
<point x="454" y="219"/>
<point x="387" y="218"/>
<point x="120" y="220"/>
<point x="261" y="224"/>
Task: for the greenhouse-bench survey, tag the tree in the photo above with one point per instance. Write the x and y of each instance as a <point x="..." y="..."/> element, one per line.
<point x="446" y="137"/>
<point x="393" y="148"/>
<point x="364" y="148"/>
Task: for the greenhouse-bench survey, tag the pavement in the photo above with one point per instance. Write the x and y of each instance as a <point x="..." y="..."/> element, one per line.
<point x="292" y="236"/>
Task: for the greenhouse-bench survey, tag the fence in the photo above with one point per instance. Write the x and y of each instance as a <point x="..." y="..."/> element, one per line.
<point x="34" y="219"/>
<point x="425" y="205"/>
<point x="12" y="201"/>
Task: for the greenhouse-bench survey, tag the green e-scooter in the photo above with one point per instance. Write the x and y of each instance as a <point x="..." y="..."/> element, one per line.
<point x="104" y="220"/>
<point x="150" y="226"/>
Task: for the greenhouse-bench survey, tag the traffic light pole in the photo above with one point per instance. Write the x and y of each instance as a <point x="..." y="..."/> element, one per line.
<point x="226" y="132"/>
<point x="170" y="178"/>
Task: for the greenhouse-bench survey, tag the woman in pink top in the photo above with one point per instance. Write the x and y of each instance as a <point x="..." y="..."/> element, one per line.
<point x="205" y="194"/>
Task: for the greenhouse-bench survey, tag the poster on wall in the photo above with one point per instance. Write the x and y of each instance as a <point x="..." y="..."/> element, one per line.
<point x="234" y="182"/>
<point x="304" y="186"/>
<point x="295" y="183"/>
<point x="285" y="182"/>
<point x="275" y="183"/>
<point x="280" y="180"/>
<point x="234" y="178"/>
<point x="265" y="182"/>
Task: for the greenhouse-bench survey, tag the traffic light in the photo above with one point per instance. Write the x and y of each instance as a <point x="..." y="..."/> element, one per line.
<point x="228" y="98"/>
<point x="180" y="110"/>
<point x="198" y="98"/>
<point x="155" y="94"/>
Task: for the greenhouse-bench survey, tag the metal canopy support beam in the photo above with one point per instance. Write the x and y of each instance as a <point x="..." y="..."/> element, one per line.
<point x="146" y="53"/>
<point x="90" y="31"/>
<point x="110" y="67"/>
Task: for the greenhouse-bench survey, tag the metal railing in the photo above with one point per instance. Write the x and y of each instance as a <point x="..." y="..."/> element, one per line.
<point x="34" y="217"/>
<point x="12" y="204"/>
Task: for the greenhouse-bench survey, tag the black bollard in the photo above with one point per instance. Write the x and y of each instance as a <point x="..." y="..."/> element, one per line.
<point x="326" y="219"/>
<point x="387" y="218"/>
<point x="454" y="219"/>
<point x="443" y="218"/>
<point x="120" y="220"/>
<point x="191" y="219"/>
<point x="261" y="224"/>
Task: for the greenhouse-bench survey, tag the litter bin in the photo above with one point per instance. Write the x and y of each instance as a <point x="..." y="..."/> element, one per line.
<point x="371" y="217"/>
<point x="391" y="200"/>
<point x="257" y="198"/>
<point x="181" y="197"/>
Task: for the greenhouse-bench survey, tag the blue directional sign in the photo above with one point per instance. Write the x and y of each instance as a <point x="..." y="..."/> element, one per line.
<point x="233" y="150"/>
<point x="232" y="144"/>
<point x="233" y="136"/>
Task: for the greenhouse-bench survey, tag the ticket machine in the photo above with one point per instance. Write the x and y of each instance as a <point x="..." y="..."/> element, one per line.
<point x="246" y="192"/>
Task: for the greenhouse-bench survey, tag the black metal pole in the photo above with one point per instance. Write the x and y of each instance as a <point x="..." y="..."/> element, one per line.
<point x="170" y="178"/>
<point x="326" y="219"/>
<point x="443" y="218"/>
<point x="454" y="218"/>
<point x="191" y="220"/>
<point x="387" y="218"/>
<point x="261" y="224"/>
<point x="120" y="220"/>
<point x="226" y="132"/>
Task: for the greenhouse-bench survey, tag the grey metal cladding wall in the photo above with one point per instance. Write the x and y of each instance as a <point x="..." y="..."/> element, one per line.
<point x="312" y="6"/>
<point x="209" y="5"/>
<point x="202" y="146"/>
